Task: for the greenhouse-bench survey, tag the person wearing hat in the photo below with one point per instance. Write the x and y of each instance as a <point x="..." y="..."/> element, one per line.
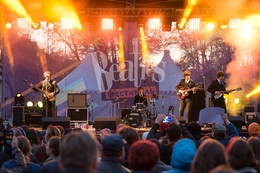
<point x="112" y="153"/>
<point x="223" y="133"/>
<point x="185" y="89"/>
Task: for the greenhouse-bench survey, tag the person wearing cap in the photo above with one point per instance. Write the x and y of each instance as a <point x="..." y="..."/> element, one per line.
<point x="113" y="153"/>
<point x="185" y="89"/>
<point x="49" y="89"/>
<point x="223" y="133"/>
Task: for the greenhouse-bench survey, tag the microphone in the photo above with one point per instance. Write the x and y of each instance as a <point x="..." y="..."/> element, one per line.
<point x="120" y="82"/>
<point x="92" y="104"/>
<point x="145" y="80"/>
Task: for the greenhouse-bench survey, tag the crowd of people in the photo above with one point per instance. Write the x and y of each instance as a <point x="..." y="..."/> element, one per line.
<point x="167" y="147"/>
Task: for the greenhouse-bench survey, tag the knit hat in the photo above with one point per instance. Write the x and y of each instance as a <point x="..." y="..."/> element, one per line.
<point x="182" y="155"/>
<point x="253" y="129"/>
<point x="164" y="126"/>
<point x="194" y="128"/>
<point x="219" y="128"/>
<point x="144" y="135"/>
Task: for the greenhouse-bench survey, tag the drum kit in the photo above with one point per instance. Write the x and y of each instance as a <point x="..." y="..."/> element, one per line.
<point x="140" y="115"/>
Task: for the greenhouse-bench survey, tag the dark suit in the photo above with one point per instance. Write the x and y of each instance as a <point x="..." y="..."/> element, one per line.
<point x="216" y="86"/>
<point x="51" y="87"/>
<point x="187" y="101"/>
<point x="139" y="99"/>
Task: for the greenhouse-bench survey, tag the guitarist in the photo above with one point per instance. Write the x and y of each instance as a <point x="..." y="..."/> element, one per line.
<point x="215" y="88"/>
<point x="51" y="89"/>
<point x="186" y="100"/>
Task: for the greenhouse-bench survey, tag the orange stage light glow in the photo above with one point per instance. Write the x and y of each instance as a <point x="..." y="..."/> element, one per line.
<point x="121" y="52"/>
<point x="255" y="91"/>
<point x="145" y="50"/>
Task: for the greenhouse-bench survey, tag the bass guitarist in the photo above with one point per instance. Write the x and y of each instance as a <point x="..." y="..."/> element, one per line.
<point x="185" y="89"/>
<point x="50" y="89"/>
<point x="217" y="88"/>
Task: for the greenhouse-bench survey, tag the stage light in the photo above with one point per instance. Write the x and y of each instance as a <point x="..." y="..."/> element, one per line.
<point x="120" y="25"/>
<point x="29" y="104"/>
<point x="234" y="23"/>
<point x="50" y="25"/>
<point x="39" y="104"/>
<point x="19" y="100"/>
<point x="23" y="23"/>
<point x="66" y="23"/>
<point x="8" y="25"/>
<point x="154" y="23"/>
<point x="181" y="24"/>
<point x="194" y="23"/>
<point x="236" y="101"/>
<point x="36" y="25"/>
<point x="210" y="26"/>
<point x="107" y="24"/>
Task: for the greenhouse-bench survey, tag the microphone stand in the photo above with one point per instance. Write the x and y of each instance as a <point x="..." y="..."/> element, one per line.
<point x="5" y="123"/>
<point x="112" y="93"/>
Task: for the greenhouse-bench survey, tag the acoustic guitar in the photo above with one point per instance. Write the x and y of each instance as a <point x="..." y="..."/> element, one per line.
<point x="44" y="92"/>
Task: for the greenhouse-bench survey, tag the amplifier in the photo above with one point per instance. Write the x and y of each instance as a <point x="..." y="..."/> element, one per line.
<point x="77" y="100"/>
<point x="78" y="114"/>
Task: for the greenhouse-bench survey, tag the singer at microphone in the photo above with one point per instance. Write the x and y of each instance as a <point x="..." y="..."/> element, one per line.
<point x="140" y="97"/>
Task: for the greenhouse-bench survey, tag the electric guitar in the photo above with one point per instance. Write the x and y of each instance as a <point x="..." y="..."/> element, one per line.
<point x="223" y="92"/>
<point x="45" y="93"/>
<point x="184" y="91"/>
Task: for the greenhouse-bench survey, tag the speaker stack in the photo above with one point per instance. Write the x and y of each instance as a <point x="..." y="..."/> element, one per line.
<point x="107" y="122"/>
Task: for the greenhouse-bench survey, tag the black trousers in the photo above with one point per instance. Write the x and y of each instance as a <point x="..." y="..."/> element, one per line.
<point x="185" y="103"/>
<point x="220" y="103"/>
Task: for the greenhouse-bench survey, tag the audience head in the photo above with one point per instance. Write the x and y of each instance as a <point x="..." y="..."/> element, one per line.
<point x="240" y="154"/>
<point x="104" y="132"/>
<point x="25" y="147"/>
<point x="222" y="169"/>
<point x="210" y="154"/>
<point x="129" y="134"/>
<point x="143" y="155"/>
<point x="113" y="145"/>
<point x="53" y="146"/>
<point x="119" y="127"/>
<point x="158" y="144"/>
<point x="182" y="155"/>
<point x="195" y="129"/>
<point x="219" y="131"/>
<point x="174" y="132"/>
<point x="253" y="129"/>
<point x="33" y="137"/>
<point x="52" y="131"/>
<point x="79" y="150"/>
<point x="62" y="131"/>
<point x="144" y="135"/>
<point x="254" y="142"/>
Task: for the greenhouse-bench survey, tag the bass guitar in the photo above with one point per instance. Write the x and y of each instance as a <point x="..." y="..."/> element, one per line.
<point x="225" y="92"/>
<point x="184" y="91"/>
<point x="45" y="93"/>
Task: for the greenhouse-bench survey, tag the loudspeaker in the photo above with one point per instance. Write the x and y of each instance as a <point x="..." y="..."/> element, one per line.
<point x="249" y="116"/>
<point x="107" y="122"/>
<point x="255" y="119"/>
<point x="63" y="121"/>
<point x="77" y="100"/>
<point x="236" y="120"/>
<point x="78" y="114"/>
<point x="134" y="119"/>
<point x="249" y="108"/>
<point x="18" y="115"/>
<point x="198" y="103"/>
<point x="33" y="119"/>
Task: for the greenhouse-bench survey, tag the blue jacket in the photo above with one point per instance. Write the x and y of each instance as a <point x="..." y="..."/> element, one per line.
<point x="31" y="167"/>
<point x="232" y="131"/>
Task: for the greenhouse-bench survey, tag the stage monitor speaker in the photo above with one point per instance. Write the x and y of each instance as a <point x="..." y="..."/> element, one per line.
<point x="63" y="121"/>
<point x="18" y="115"/>
<point x="107" y="122"/>
<point x="78" y="100"/>
<point x="236" y="121"/>
<point x="78" y="114"/>
<point x="255" y="119"/>
<point x="198" y="103"/>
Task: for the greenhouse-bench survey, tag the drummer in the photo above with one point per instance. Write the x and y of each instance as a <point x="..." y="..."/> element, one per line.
<point x="140" y="97"/>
